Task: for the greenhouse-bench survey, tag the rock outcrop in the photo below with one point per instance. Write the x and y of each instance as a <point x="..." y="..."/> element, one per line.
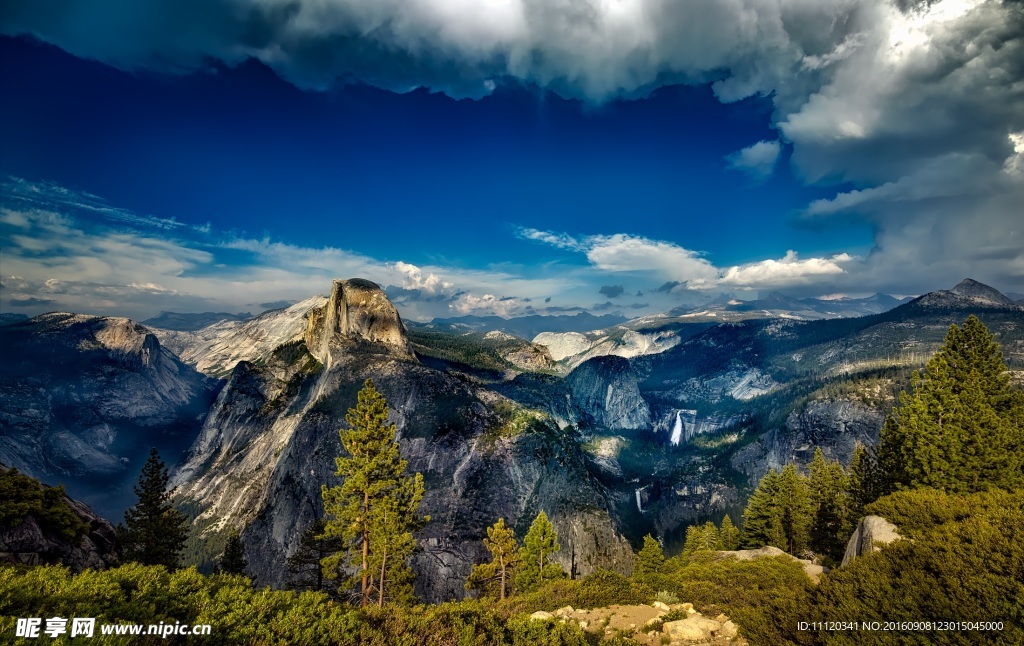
<point x="871" y="534"/>
<point x="357" y="311"/>
<point x="652" y="625"/>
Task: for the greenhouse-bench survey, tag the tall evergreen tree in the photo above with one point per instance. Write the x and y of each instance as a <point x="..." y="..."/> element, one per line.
<point x="539" y="544"/>
<point x="501" y="543"/>
<point x="305" y="566"/>
<point x="795" y="509"/>
<point x="233" y="560"/>
<point x="864" y="485"/>
<point x="828" y="484"/>
<point x="702" y="538"/>
<point x="154" y="532"/>
<point x="651" y="559"/>
<point x="959" y="428"/>
<point x="730" y="534"/>
<point x="762" y="519"/>
<point x="376" y="508"/>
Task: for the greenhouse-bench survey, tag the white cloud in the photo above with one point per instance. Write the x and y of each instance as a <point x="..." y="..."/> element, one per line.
<point x="413" y="279"/>
<point x="487" y="304"/>
<point x="877" y="93"/>
<point x="788" y="271"/>
<point x="688" y="270"/>
<point x="757" y="160"/>
<point x="623" y="252"/>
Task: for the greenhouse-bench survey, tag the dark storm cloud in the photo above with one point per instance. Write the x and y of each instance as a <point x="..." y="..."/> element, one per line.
<point x="611" y="291"/>
<point x="276" y="305"/>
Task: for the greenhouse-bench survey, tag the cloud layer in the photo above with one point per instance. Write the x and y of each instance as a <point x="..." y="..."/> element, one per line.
<point x="918" y="104"/>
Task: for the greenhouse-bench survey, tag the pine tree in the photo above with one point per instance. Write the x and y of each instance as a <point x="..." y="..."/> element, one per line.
<point x="233" y="560"/>
<point x="864" y="485"/>
<point x="154" y="532"/>
<point x="536" y="566"/>
<point x="375" y="509"/>
<point x="651" y="559"/>
<point x="501" y="543"/>
<point x="795" y="508"/>
<point x="730" y="534"/>
<point x="701" y="538"/>
<point x="762" y="519"/>
<point x="828" y="484"/>
<point x="305" y="566"/>
<point x="959" y="428"/>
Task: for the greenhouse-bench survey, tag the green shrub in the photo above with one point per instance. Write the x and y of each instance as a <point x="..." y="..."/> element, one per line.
<point x="602" y="588"/>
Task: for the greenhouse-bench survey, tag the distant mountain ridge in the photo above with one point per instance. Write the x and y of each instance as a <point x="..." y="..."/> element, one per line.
<point x="525" y="327"/>
<point x="192" y="321"/>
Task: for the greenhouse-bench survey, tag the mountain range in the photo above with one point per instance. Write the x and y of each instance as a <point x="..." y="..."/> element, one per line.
<point x="643" y="426"/>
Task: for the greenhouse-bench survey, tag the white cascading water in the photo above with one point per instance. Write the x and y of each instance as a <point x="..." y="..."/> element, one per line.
<point x="677" y="430"/>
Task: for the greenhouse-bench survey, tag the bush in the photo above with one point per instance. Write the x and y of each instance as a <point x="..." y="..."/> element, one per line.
<point x="238" y="614"/>
<point x="602" y="588"/>
<point x="766" y="597"/>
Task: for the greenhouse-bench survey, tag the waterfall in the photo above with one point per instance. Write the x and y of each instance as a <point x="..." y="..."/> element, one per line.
<point x="639" y="507"/>
<point x="677" y="430"/>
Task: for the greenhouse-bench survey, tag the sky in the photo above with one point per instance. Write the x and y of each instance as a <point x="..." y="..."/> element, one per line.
<point x="505" y="156"/>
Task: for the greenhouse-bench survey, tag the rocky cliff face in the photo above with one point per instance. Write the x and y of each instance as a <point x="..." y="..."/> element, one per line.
<point x="606" y="393"/>
<point x="834" y="426"/>
<point x="83" y="398"/>
<point x="216" y="349"/>
<point x="270" y="441"/>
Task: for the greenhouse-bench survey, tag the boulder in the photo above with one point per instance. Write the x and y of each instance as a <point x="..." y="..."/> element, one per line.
<point x="692" y="629"/>
<point x="540" y="615"/>
<point x="871" y="533"/>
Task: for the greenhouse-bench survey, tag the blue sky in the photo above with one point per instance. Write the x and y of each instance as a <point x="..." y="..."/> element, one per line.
<point x="510" y="160"/>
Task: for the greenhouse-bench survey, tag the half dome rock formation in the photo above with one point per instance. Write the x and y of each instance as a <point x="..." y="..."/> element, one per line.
<point x="357" y="311"/>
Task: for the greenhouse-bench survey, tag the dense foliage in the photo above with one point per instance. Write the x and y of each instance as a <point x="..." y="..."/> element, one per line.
<point x="961" y="428"/>
<point x="239" y="614"/>
<point x="154" y="532"/>
<point x="964" y="562"/>
<point x="535" y="564"/>
<point x="22" y="496"/>
<point x="233" y="560"/>
<point x="306" y="565"/>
